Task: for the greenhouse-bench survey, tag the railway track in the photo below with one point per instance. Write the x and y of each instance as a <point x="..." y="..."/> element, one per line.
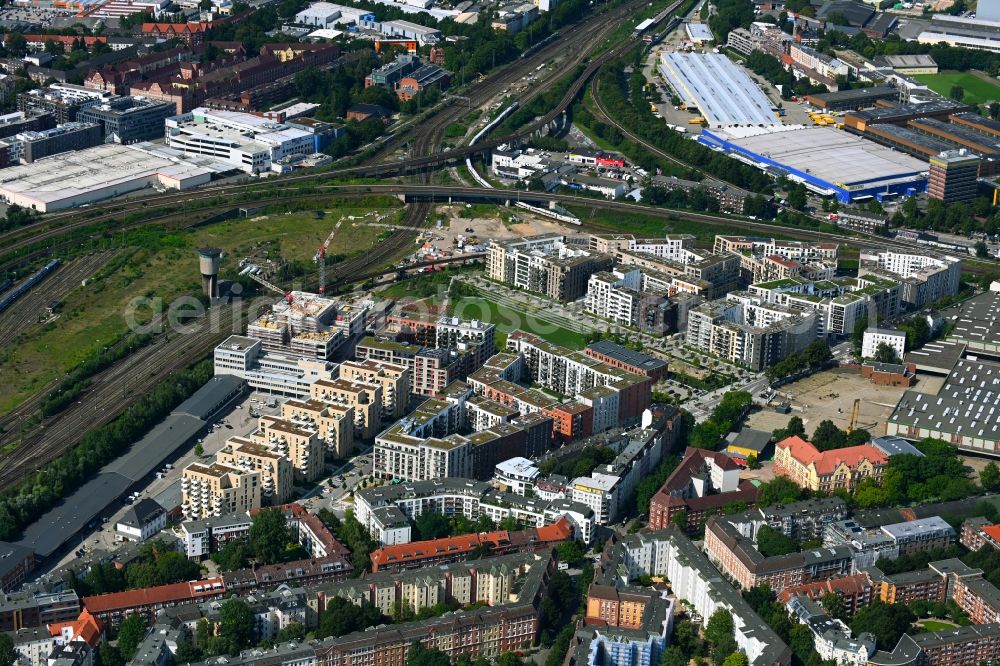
<point x="141" y="371"/>
<point x="589" y="33"/>
<point x="577" y="40"/>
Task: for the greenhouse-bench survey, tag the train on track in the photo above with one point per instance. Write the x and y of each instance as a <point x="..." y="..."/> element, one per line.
<point x="28" y="284"/>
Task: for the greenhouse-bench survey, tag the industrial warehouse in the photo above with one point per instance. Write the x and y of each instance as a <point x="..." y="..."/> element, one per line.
<point x="77" y="178"/>
<point x="826" y="160"/>
<point x="718" y="88"/>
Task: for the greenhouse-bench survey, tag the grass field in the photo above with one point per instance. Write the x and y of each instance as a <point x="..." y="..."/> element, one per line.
<point x="163" y="267"/>
<point x="935" y="625"/>
<point x="507" y="320"/>
<point x="977" y="90"/>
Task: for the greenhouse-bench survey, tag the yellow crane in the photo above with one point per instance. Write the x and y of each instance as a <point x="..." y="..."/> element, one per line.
<point x="855" y="412"/>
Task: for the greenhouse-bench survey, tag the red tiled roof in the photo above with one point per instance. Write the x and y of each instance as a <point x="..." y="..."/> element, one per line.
<point x="993" y="532"/>
<point x="177" y="28"/>
<point x="417" y="550"/>
<point x="555" y="532"/>
<point x="827" y="461"/>
<point x="560" y="530"/>
<point x="154" y="596"/>
<point x="86" y="627"/>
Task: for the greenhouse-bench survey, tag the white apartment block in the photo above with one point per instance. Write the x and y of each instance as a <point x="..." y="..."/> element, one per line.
<point x="615" y="296"/>
<point x="545" y="264"/>
<point x="925" y="277"/>
<point x="694" y="579"/>
<point x="461" y="496"/>
<point x="516" y="475"/>
<point x="247" y="142"/>
<point x="269" y="372"/>
<point x="601" y="493"/>
<point x="877" y="336"/>
<point x="390" y="526"/>
<point x="422" y="446"/>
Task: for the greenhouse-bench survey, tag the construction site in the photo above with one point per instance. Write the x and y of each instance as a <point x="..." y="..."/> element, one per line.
<point x="840" y="395"/>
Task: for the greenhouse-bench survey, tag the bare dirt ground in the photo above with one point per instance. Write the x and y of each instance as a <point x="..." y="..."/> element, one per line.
<point x="830" y="395"/>
<point x="486" y="228"/>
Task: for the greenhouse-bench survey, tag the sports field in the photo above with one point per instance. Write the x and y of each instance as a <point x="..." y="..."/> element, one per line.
<point x="978" y="89"/>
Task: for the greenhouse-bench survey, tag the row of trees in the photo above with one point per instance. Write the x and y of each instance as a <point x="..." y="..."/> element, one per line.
<point x="813" y="357"/>
<point x="97" y="447"/>
<point x="725" y="417"/>
<point x="908" y="479"/>
<point x="636" y="115"/>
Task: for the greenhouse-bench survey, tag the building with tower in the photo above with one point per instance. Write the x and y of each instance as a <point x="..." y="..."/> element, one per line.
<point x="208" y="263"/>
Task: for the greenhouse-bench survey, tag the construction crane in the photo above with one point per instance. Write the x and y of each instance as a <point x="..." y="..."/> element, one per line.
<point x="321" y="258"/>
<point x="264" y="283"/>
<point x="855" y="412"/>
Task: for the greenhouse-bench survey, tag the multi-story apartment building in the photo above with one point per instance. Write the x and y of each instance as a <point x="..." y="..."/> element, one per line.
<point x="431" y="370"/>
<point x="486" y="632"/>
<point x="910" y="586"/>
<point x="200" y="538"/>
<point x="921" y="535"/>
<point x="748" y="332"/>
<point x="703" y="483"/>
<point x="456" y="496"/>
<point x="363" y="398"/>
<point x="114" y="607"/>
<point x="33" y="608"/>
<point x="827" y="471"/>
<point x="670" y="554"/>
<point x="275" y="468"/>
<point x="216" y="489"/>
<point x="730" y="542"/>
<point x="308" y="326"/>
<point x="869" y="546"/>
<point x="63" y="100"/>
<point x="571" y="373"/>
<point x="297" y="441"/>
<point x="924" y="277"/>
<point x="856" y="591"/>
<point x="426" y="445"/>
<point x="609" y="487"/>
<point x="546" y="264"/>
<point x="334" y="423"/>
<point x="394" y="380"/>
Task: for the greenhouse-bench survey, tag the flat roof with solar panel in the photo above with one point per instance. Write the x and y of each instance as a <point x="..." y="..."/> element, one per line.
<point x="965" y="411"/>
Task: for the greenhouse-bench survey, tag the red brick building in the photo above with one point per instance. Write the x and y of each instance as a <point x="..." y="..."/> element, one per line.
<point x="855" y="591"/>
<point x="112" y="608"/>
<point x="420" y="554"/>
<point x="703" y="483"/>
<point x="190" y="33"/>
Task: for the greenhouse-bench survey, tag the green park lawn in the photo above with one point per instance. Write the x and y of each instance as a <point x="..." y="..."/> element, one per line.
<point x="977" y="90"/>
<point x="507" y="320"/>
<point x="935" y="625"/>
